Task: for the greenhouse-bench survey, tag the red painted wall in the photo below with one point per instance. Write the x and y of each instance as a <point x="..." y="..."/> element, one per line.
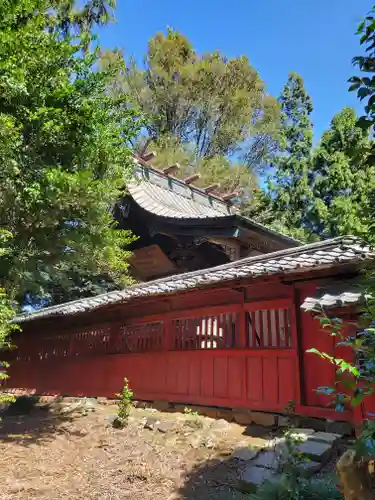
<point x="165" y="358"/>
<point x="238" y="378"/>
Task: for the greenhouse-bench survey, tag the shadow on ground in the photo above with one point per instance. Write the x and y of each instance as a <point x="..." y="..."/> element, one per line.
<point x="29" y="424"/>
<point x="212" y="479"/>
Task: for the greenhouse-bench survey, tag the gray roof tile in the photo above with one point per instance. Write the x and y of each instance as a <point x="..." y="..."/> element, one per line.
<point x="307" y="257"/>
<point x="336" y="294"/>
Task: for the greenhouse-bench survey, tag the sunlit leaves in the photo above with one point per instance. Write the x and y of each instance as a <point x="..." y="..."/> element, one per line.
<point x="64" y="150"/>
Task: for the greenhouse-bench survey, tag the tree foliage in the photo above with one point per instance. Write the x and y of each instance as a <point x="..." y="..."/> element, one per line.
<point x="218" y="106"/>
<point x="288" y="186"/>
<point x="365" y="85"/>
<point x="326" y="191"/>
<point x="342" y="179"/>
<point x="64" y="155"/>
<point x="6" y="326"/>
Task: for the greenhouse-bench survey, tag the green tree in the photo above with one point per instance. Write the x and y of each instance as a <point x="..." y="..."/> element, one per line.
<point x="289" y="193"/>
<point x="64" y="155"/>
<point x="6" y="326"/>
<point x="365" y="85"/>
<point x="218" y="106"/>
<point x="342" y="179"/>
<point x="321" y="192"/>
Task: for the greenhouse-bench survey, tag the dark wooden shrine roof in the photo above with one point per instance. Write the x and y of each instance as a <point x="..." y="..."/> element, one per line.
<point x="331" y="253"/>
<point x="174" y="200"/>
<point x="167" y="196"/>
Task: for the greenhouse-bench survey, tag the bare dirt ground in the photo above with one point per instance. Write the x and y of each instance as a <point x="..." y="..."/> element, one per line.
<point x="47" y="456"/>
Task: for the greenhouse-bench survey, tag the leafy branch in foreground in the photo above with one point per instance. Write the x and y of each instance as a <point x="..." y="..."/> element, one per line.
<point x="64" y="153"/>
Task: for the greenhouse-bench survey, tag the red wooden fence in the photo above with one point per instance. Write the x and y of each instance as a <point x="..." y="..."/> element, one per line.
<point x="242" y="355"/>
<point x="245" y="355"/>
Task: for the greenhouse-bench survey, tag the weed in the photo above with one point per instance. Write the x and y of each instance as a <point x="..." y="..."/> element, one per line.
<point x="189" y="411"/>
<point x="125" y="404"/>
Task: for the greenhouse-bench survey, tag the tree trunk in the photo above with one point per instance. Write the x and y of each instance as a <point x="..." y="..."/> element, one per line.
<point x="354" y="477"/>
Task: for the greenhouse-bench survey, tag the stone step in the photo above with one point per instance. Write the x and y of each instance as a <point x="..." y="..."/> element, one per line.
<point x="307" y="469"/>
<point x="251" y="478"/>
<point x="315" y="450"/>
<point x="326" y="437"/>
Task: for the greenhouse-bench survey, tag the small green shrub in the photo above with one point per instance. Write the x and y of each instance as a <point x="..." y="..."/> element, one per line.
<point x="125" y="404"/>
<point x="189" y="411"/>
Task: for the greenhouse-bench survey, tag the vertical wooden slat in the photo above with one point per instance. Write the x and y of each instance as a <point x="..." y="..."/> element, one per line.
<point x="285" y="322"/>
<point x="176" y="335"/>
<point x="258" y="322"/>
<point x="137" y="338"/>
<point x="200" y="336"/>
<point x="277" y="327"/>
<point x="295" y="343"/>
<point x="288" y="321"/>
<point x="192" y="333"/>
<point x="253" y="329"/>
<point x="184" y="335"/>
<point x="203" y="332"/>
<point x="188" y="334"/>
<point x="182" y="327"/>
<point x="167" y="329"/>
<point x="181" y="332"/>
<point x="269" y="330"/>
<point x="209" y="332"/>
<point x="141" y="337"/>
<point x="223" y="329"/>
<point x="160" y="335"/>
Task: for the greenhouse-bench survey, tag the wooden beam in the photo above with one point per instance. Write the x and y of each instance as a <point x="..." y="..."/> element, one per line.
<point x="211" y="187"/>
<point x="192" y="178"/>
<point x="149" y="156"/>
<point x="230" y="196"/>
<point x="171" y="169"/>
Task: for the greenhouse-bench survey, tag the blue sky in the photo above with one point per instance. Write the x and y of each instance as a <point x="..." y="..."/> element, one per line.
<point x="313" y="37"/>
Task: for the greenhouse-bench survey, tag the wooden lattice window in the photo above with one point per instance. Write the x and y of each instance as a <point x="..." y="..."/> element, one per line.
<point x="219" y="331"/>
<point x="269" y="325"/>
<point x="90" y="341"/>
<point x="44" y="348"/>
<point x="141" y="337"/>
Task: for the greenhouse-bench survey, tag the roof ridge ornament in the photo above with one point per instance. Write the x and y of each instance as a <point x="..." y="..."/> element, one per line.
<point x="149" y="156"/>
<point x="171" y="169"/>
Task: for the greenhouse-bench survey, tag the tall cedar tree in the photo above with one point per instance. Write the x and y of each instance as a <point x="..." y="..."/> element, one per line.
<point x="324" y="192"/>
<point x="218" y="106"/>
<point x="64" y="156"/>
<point x="289" y="191"/>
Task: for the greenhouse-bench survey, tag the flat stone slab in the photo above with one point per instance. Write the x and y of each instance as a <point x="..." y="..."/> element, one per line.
<point x="306" y="432"/>
<point x="267" y="459"/>
<point x="326" y="437"/>
<point x="302" y="435"/>
<point x="307" y="469"/>
<point x="244" y="453"/>
<point x="219" y="425"/>
<point x="315" y="450"/>
<point x="252" y="477"/>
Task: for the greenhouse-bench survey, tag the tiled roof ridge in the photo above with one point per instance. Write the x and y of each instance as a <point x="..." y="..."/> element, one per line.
<point x="201" y="191"/>
<point x="343" y="249"/>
